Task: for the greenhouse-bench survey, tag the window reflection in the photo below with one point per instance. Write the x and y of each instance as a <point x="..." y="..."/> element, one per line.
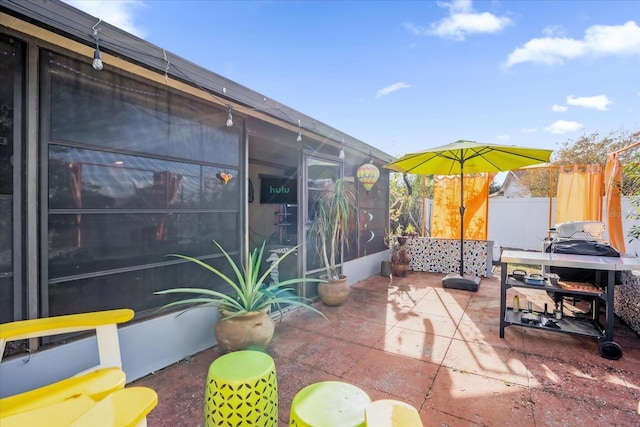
<point x="120" y="240"/>
<point x="121" y="114"/>
<point x="135" y="172"/>
<point x="321" y="177"/>
<point x="80" y="178"/>
<point x="11" y="88"/>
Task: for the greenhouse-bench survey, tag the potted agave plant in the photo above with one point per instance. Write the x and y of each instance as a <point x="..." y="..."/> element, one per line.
<point x="334" y="212"/>
<point x="245" y="320"/>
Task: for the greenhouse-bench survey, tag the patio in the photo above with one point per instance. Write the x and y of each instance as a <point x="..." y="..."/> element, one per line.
<point x="438" y="350"/>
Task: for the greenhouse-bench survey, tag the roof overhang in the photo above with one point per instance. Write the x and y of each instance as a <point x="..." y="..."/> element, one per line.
<point x="62" y="25"/>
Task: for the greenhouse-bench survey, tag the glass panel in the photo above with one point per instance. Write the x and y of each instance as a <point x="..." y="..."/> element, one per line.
<point x="373" y="212"/>
<point x="85" y="243"/>
<point x="9" y="66"/>
<point x="120" y="197"/>
<point x="6" y="299"/>
<point x="321" y="174"/>
<point x="89" y="179"/>
<point x="6" y="235"/>
<point x="11" y="72"/>
<point x="109" y="110"/>
<point x="133" y="289"/>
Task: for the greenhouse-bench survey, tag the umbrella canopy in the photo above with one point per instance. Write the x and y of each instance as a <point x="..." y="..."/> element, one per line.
<point x="468" y="157"/>
<point x="462" y="157"/>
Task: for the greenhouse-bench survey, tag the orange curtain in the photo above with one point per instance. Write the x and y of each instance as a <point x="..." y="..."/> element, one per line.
<point x="446" y="207"/>
<point x="165" y="190"/>
<point x="613" y="182"/>
<point x="579" y="194"/>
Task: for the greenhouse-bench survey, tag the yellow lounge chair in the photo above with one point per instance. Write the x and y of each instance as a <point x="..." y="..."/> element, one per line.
<point x="90" y="392"/>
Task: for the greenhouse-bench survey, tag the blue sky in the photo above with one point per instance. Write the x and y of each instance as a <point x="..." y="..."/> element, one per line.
<point x="409" y="75"/>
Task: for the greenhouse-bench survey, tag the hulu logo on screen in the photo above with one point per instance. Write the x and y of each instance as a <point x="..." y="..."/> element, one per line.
<point x="279" y="190"/>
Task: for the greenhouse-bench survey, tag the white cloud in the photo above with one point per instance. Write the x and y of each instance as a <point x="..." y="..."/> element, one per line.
<point x="554" y="31"/>
<point x="559" y="108"/>
<point x="504" y="138"/>
<point x="562" y="126"/>
<point x="529" y="130"/>
<point x="415" y="29"/>
<point x="599" y="102"/>
<point x="390" y="89"/>
<point x="606" y="39"/>
<point x="546" y="51"/>
<point x="118" y="13"/>
<point x="457" y="6"/>
<point x="598" y="40"/>
<point x="462" y="21"/>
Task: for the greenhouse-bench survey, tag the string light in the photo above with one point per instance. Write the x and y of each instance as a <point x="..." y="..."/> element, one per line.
<point x="229" y="117"/>
<point x="299" y="138"/>
<point x="341" y="155"/>
<point x="98" y="65"/>
<point x="97" y="56"/>
<point x="127" y="49"/>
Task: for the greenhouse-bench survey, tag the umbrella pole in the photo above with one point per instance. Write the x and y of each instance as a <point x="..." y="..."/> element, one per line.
<point x="453" y="280"/>
<point x="462" y="221"/>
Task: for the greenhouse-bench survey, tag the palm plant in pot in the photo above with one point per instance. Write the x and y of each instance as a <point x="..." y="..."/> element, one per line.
<point x="334" y="212"/>
<point x="245" y="320"/>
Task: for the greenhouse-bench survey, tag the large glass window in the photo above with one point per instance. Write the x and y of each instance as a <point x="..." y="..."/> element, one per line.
<point x="11" y="90"/>
<point x="135" y="173"/>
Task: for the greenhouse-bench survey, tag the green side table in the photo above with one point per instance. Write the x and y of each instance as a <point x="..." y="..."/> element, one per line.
<point x="329" y="404"/>
<point x="242" y="389"/>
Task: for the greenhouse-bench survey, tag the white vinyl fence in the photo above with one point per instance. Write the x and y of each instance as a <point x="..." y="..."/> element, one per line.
<point x="522" y="223"/>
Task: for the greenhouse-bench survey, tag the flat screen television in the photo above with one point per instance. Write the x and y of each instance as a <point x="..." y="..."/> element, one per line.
<point x="278" y="189"/>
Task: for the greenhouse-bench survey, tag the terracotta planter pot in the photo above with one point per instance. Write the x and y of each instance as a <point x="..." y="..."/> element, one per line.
<point x="252" y="330"/>
<point x="400" y="270"/>
<point x="333" y="292"/>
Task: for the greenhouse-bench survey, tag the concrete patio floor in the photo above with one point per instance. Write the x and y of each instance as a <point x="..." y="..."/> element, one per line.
<point x="438" y="350"/>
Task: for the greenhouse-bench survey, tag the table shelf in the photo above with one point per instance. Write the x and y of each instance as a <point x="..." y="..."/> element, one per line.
<point x="568" y="324"/>
<point x="548" y="287"/>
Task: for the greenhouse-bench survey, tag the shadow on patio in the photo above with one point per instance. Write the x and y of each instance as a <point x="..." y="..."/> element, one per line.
<point x="438" y="350"/>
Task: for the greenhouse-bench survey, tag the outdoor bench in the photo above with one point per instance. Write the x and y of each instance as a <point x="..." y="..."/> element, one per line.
<point x="95" y="396"/>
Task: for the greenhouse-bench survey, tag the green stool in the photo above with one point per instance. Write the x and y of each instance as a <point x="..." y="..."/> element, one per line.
<point x="389" y="412"/>
<point x="242" y="389"/>
<point x="329" y="404"/>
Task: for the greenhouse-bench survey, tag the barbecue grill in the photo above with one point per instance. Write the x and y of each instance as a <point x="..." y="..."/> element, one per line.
<point x="578" y="238"/>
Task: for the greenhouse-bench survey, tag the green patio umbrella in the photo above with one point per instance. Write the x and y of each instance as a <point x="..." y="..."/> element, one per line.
<point x="462" y="157"/>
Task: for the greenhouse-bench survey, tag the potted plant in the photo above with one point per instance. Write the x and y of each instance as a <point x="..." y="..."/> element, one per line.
<point x="245" y="321"/>
<point x="411" y="231"/>
<point x="399" y="257"/>
<point x="334" y="212"/>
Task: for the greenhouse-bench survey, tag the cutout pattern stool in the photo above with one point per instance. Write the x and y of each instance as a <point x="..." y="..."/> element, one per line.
<point x="242" y="390"/>
<point x="329" y="404"/>
<point x="389" y="412"/>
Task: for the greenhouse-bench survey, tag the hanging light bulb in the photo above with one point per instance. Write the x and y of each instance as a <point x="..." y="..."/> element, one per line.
<point x="341" y="155"/>
<point x="229" y="117"/>
<point x="97" y="60"/>
<point x="97" y="55"/>
<point x="299" y="137"/>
